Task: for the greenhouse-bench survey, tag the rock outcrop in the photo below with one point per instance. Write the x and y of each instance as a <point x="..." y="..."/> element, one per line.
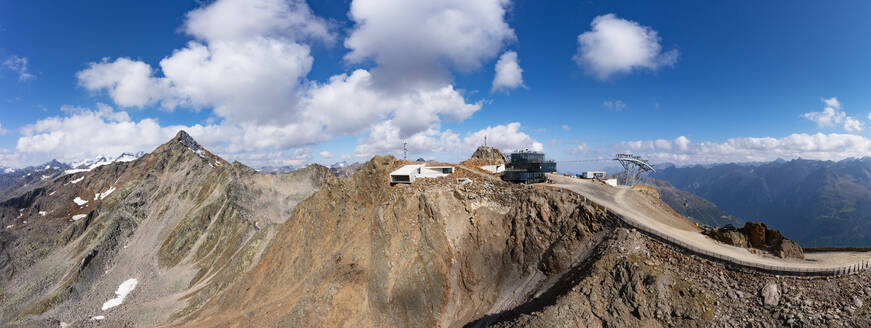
<point x="755" y="235"/>
<point x="486" y="155"/>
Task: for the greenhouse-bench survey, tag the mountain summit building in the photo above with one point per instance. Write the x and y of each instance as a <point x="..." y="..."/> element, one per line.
<point x="527" y="166"/>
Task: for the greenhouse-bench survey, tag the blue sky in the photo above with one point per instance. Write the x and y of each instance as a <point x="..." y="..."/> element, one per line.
<point x="736" y="81"/>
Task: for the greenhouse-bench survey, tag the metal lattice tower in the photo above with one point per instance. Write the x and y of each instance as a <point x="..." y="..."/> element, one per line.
<point x="404" y="151"/>
<point x="634" y="166"/>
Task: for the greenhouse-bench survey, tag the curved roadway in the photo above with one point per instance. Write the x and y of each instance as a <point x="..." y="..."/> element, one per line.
<point x="654" y="217"/>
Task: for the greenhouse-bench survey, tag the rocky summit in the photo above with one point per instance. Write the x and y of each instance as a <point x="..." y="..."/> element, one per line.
<point x="182" y="238"/>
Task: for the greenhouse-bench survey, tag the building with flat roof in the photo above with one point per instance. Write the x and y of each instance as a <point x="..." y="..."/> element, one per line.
<point x="527" y="167"/>
<point x="593" y="175"/>
<point x="408" y="173"/>
<point x="494" y="168"/>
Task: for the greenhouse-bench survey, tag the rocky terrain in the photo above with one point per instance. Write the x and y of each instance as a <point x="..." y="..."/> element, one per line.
<point x="757" y="236"/>
<point x="15" y="181"/>
<point x="180" y="223"/>
<point x="485" y="155"/>
<point x="182" y="238"/>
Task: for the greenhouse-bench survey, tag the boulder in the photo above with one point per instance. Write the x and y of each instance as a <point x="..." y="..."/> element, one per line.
<point x="770" y="294"/>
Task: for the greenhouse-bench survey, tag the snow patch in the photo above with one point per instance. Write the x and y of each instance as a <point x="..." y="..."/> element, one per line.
<point x="99" y="317"/>
<point x="79" y="217"/>
<point x="10" y="226"/>
<point x="78" y="180"/>
<point x="52" y="193"/>
<point x="125" y="288"/>
<point x="9" y="170"/>
<point x="45" y="177"/>
<point x="79" y="201"/>
<point x="42" y="213"/>
<point x="106" y="193"/>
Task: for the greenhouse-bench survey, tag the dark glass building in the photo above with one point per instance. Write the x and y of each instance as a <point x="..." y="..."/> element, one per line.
<point x="527" y="167"/>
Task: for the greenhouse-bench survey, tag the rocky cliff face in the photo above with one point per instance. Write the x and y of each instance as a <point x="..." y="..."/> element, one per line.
<point x="757" y="236"/>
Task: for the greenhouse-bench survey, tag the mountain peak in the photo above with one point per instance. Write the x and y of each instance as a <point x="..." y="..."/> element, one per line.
<point x="185" y="139"/>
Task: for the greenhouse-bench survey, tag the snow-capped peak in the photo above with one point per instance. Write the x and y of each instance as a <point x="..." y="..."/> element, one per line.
<point x="100" y="160"/>
<point x="127" y="157"/>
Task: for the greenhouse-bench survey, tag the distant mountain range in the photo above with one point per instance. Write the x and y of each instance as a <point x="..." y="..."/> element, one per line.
<point x="14" y="180"/>
<point x="817" y="203"/>
<point x="691" y="206"/>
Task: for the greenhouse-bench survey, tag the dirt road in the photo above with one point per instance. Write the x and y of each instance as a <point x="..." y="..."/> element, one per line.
<point x="651" y="215"/>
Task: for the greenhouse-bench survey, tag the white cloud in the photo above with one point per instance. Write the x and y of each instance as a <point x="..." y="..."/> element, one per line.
<point x="853" y="125"/>
<point x="129" y="82"/>
<point x="249" y="65"/>
<point x="566" y="128"/>
<point x="505" y="137"/>
<point x="615" y="45"/>
<point x="19" y="65"/>
<point x="578" y="149"/>
<point x="2" y="130"/>
<point x="325" y="154"/>
<point x="416" y="43"/>
<point x="87" y="132"/>
<point x="809" y="146"/>
<point x="385" y="139"/>
<point x="617" y="105"/>
<point x="509" y="75"/>
<point x="243" y="20"/>
<point x="832" y="115"/>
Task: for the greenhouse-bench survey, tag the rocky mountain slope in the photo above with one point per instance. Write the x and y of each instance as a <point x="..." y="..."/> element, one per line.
<point x="182" y="238"/>
<point x="817" y="203"/>
<point x="179" y="223"/>
<point x="691" y="206"/>
<point x="14" y="181"/>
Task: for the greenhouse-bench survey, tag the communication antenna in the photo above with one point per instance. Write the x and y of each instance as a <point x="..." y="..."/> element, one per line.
<point x="485" y="141"/>
<point x="633" y="166"/>
<point x="404" y="151"/>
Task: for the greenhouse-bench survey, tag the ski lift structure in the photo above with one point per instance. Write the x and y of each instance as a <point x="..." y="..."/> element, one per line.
<point x="634" y="166"/>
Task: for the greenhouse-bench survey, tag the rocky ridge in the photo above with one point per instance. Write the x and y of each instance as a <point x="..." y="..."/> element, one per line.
<point x="214" y="243"/>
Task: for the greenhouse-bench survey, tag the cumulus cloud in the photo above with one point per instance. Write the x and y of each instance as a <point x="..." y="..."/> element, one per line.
<point x="818" y="146"/>
<point x="2" y="130"/>
<point x="19" y="65"/>
<point x="509" y="75"/>
<point x="617" y="105"/>
<point x="249" y="60"/>
<point x="505" y="137"/>
<point x="385" y="139"/>
<point x="578" y="149"/>
<point x="243" y="20"/>
<point x="566" y="127"/>
<point x="325" y="154"/>
<point x="416" y="43"/>
<point x="84" y="132"/>
<point x="614" y="45"/>
<point x="832" y="115"/>
<point x="248" y="63"/>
